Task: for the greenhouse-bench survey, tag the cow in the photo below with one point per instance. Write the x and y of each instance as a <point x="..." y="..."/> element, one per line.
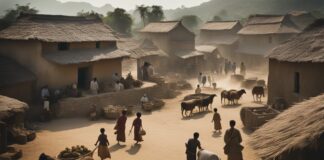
<point x="258" y="92"/>
<point x="189" y="105"/>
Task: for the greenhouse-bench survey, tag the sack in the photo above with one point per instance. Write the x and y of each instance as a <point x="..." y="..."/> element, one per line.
<point x="226" y="149"/>
<point x="142" y="132"/>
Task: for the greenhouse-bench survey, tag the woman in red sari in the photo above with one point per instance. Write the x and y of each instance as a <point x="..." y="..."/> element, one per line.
<point x="137" y="124"/>
<point x="120" y="127"/>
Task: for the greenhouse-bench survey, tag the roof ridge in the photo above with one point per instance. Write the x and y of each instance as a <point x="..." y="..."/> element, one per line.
<point x="222" y="21"/>
<point x="57" y="17"/>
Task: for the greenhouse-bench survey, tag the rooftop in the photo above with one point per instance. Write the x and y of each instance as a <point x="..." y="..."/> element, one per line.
<point x="160" y="27"/>
<point x="58" y="28"/>
<point x="219" y="25"/>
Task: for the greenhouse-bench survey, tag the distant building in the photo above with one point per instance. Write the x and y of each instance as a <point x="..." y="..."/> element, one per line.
<point x="61" y="50"/>
<point x="212" y="57"/>
<point x="222" y="34"/>
<point x="144" y="51"/>
<point x="296" y="67"/>
<point x="260" y="34"/>
<point x="302" y="19"/>
<point x="170" y="36"/>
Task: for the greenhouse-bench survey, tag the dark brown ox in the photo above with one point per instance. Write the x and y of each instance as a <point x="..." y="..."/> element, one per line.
<point x="189" y="105"/>
<point x="232" y="96"/>
<point x="258" y="92"/>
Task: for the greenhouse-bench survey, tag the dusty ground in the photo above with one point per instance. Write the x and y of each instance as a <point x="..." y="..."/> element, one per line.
<point x="167" y="131"/>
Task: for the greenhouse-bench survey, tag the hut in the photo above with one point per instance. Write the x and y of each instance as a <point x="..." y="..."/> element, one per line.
<point x="295" y="134"/>
<point x="61" y="50"/>
<point x="16" y="81"/>
<point x="296" y="66"/>
<point x="212" y="57"/>
<point x="145" y="51"/>
<point x="260" y="34"/>
<point x="302" y="19"/>
<point x="170" y="36"/>
<point x="222" y="34"/>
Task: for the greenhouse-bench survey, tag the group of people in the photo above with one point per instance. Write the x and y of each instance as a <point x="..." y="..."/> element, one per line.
<point x="233" y="148"/>
<point x="120" y="128"/>
<point x="230" y="67"/>
<point x="203" y="79"/>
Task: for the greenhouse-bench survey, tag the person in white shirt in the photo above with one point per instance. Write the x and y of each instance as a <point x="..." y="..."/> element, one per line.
<point x="94" y="86"/>
<point x="115" y="77"/>
<point x="118" y="86"/>
<point x="144" y="99"/>
<point x="45" y="92"/>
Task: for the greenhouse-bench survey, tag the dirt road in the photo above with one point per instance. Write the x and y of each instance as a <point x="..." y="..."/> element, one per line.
<point x="167" y="132"/>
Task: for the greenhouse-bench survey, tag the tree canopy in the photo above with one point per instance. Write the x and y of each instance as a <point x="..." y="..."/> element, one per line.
<point x="191" y="22"/>
<point x="12" y="15"/>
<point x="89" y="14"/>
<point x="119" y="20"/>
<point x="150" y="13"/>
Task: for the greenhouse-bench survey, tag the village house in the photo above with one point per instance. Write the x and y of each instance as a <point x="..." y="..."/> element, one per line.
<point x="213" y="58"/>
<point x="222" y="34"/>
<point x="296" y="67"/>
<point x="62" y="50"/>
<point x="178" y="42"/>
<point x="302" y="19"/>
<point x="144" y="51"/>
<point x="260" y="34"/>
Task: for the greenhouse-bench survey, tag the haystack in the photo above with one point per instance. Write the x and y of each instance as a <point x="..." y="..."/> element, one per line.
<point x="295" y="134"/>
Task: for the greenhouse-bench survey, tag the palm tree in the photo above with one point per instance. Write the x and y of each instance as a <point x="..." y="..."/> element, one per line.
<point x="143" y="10"/>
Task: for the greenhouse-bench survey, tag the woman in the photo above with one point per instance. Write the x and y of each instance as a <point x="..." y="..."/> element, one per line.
<point x="137" y="124"/>
<point x="103" y="151"/>
<point x="120" y="127"/>
<point x="217" y="121"/>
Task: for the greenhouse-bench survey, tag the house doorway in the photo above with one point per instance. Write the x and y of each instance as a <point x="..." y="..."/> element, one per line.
<point x="84" y="77"/>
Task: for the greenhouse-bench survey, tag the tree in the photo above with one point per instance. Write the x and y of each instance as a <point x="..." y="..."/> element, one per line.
<point x="12" y="15"/>
<point x="142" y="10"/>
<point x="119" y="20"/>
<point x="217" y="18"/>
<point x="89" y="14"/>
<point x="155" y="14"/>
<point x="191" y="22"/>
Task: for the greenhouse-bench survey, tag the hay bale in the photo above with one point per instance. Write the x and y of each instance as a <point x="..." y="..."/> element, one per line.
<point x="237" y="78"/>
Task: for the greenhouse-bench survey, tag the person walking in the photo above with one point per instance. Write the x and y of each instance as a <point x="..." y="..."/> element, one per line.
<point x="233" y="148"/>
<point x="120" y="127"/>
<point x="103" y="151"/>
<point x="137" y="124"/>
<point x="200" y="76"/>
<point x="191" y="147"/>
<point x="242" y="69"/>
<point x="217" y="121"/>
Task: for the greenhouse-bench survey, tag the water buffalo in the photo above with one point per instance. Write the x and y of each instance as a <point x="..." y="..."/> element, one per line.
<point x="232" y="96"/>
<point x="189" y="105"/>
<point x="258" y="92"/>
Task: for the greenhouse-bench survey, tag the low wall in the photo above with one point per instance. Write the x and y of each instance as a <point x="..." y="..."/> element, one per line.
<point x="76" y="107"/>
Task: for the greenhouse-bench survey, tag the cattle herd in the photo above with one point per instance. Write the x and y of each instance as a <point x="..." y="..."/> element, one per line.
<point x="203" y="101"/>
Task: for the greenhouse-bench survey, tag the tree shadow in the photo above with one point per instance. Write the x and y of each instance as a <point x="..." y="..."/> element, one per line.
<point x="231" y="105"/>
<point x="134" y="149"/>
<point x="116" y="147"/>
<point x="196" y="115"/>
<point x="217" y="134"/>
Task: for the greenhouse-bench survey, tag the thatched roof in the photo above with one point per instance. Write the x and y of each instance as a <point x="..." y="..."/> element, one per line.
<point x="141" y="48"/>
<point x="219" y="25"/>
<point x="305" y="47"/>
<point x="160" y="27"/>
<point x="297" y="128"/>
<point x="84" y="55"/>
<point x="56" y="28"/>
<point x="206" y="48"/>
<point x="10" y="106"/>
<point x="301" y="19"/>
<point x="268" y="24"/>
<point x="185" y="54"/>
<point x="12" y="73"/>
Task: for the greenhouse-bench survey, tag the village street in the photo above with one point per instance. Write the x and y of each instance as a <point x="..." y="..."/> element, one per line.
<point x="167" y="131"/>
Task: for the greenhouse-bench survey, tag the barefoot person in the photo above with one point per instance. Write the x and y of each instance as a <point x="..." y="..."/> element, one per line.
<point x="137" y="124"/>
<point x="233" y="148"/>
<point x="217" y="121"/>
<point x="120" y="127"/>
<point x="103" y="151"/>
<point x="191" y="147"/>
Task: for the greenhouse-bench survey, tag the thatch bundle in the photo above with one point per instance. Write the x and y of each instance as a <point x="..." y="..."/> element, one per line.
<point x="297" y="133"/>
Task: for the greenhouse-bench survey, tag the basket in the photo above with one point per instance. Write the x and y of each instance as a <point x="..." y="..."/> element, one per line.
<point x="142" y="132"/>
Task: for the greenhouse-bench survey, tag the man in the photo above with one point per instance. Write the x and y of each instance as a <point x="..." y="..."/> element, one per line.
<point x="242" y="69"/>
<point x="94" y="86"/>
<point x="144" y="99"/>
<point x="45" y="93"/>
<point x="198" y="89"/>
<point x="191" y="147"/>
<point x="233" y="148"/>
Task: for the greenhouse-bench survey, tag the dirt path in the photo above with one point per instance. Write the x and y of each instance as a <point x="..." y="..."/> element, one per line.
<point x="167" y="132"/>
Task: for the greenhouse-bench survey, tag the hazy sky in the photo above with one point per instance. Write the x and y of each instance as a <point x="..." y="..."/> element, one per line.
<point x="130" y="4"/>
